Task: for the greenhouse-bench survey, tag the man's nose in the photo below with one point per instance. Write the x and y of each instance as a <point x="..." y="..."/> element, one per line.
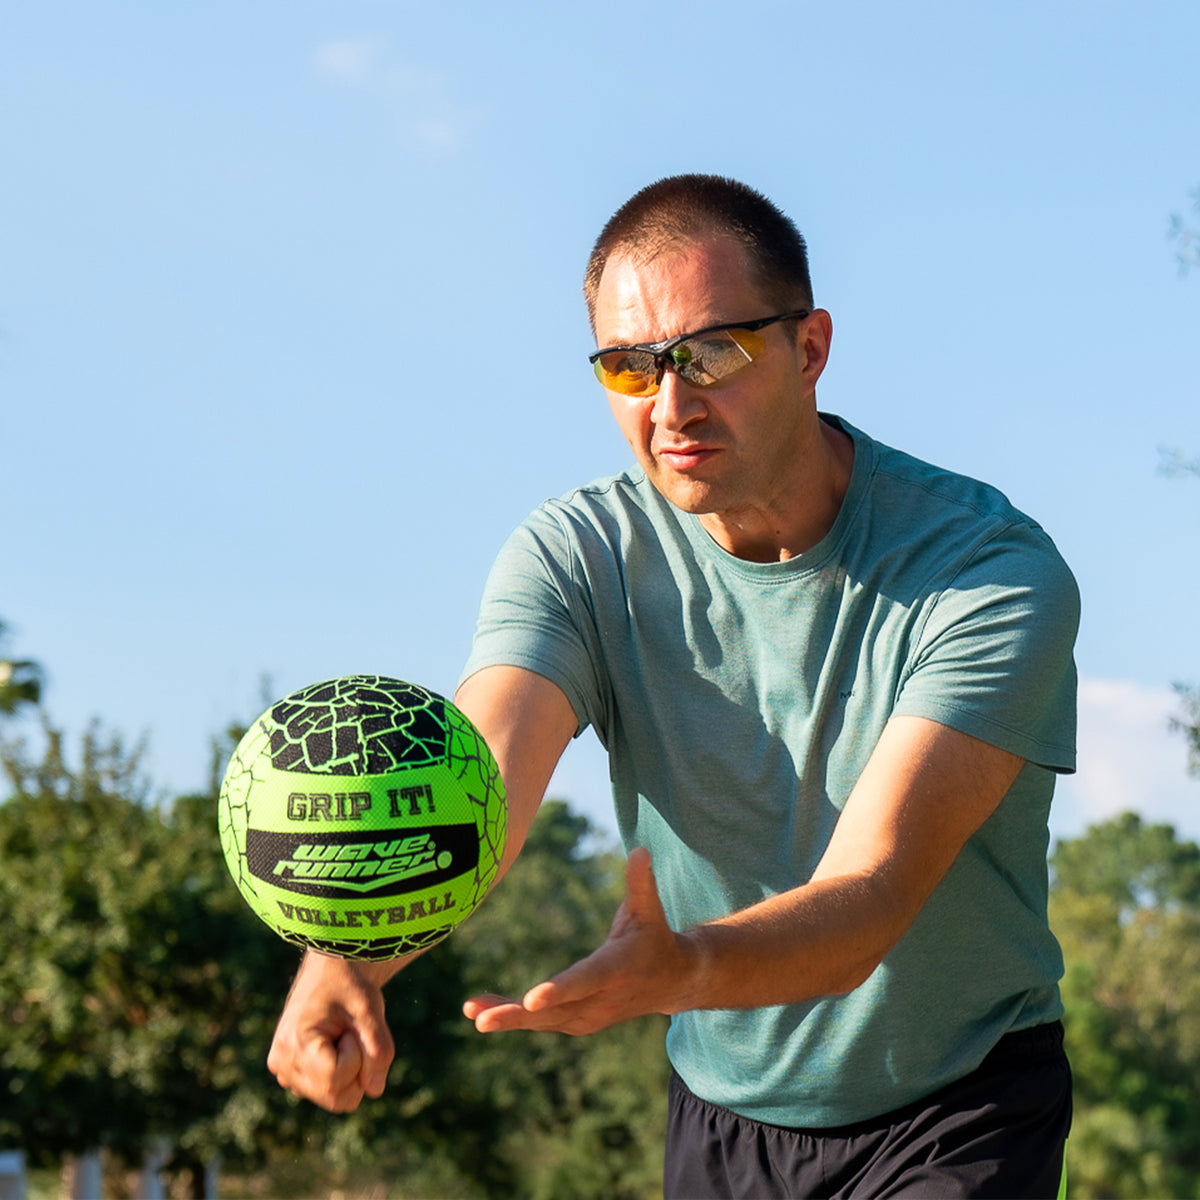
<point x="676" y="403"/>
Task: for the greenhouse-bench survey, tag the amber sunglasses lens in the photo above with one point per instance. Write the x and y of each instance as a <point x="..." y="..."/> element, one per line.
<point x="630" y="372"/>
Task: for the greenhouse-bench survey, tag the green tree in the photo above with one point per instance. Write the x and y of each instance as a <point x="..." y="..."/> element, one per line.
<point x="133" y="985"/>
<point x="20" y="681"/>
<point x="1126" y="907"/>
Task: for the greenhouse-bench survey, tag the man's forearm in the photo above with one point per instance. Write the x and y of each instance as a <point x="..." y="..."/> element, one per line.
<point x="925" y="791"/>
<point x="822" y="939"/>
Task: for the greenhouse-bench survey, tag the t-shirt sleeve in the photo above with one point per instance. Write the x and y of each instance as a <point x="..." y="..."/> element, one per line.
<point x="533" y="615"/>
<point x="994" y="656"/>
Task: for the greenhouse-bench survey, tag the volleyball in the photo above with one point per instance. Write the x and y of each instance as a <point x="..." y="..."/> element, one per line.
<point x="363" y="817"/>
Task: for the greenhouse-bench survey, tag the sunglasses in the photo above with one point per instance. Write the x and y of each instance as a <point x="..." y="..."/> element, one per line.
<point x="701" y="358"/>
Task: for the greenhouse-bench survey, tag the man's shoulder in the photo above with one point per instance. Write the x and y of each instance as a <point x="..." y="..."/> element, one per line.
<point x="909" y="490"/>
<point x="605" y="505"/>
<point x="900" y="470"/>
<point x="628" y="486"/>
<point x="944" y="522"/>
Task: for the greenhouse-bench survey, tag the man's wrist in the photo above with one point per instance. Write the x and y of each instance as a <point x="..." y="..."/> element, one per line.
<point x="695" y="969"/>
<point x="372" y="972"/>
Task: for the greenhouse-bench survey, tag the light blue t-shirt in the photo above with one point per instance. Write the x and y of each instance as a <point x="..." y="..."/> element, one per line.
<point x="739" y="703"/>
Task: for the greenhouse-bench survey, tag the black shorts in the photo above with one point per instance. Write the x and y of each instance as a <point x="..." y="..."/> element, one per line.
<point x="999" y="1132"/>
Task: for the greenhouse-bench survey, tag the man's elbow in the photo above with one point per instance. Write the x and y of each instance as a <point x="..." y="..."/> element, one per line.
<point x="852" y="977"/>
<point x="854" y="972"/>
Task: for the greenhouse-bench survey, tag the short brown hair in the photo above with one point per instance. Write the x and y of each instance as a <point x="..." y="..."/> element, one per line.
<point x="684" y="208"/>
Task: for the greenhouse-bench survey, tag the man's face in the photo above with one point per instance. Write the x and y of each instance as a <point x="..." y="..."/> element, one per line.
<point x="734" y="445"/>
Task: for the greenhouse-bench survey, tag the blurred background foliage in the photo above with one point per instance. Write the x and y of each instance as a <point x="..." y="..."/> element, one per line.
<point x="1126" y="907"/>
<point x="138" y="996"/>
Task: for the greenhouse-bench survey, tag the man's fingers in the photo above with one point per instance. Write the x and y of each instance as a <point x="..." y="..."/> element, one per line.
<point x="348" y="1063"/>
<point x="374" y="1042"/>
<point x="480" y="1004"/>
<point x="579" y="981"/>
<point x="320" y="1070"/>
<point x="336" y="1075"/>
<point x="335" y="1062"/>
<point x="494" y="1014"/>
<point x="333" y="1079"/>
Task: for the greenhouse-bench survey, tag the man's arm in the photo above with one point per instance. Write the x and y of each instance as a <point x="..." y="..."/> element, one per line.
<point x="926" y="789"/>
<point x="332" y="1044"/>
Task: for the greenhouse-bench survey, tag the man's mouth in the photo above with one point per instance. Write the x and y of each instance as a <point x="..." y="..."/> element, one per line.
<point x="686" y="458"/>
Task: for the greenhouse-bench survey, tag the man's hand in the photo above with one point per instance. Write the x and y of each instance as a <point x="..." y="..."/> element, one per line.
<point x="332" y="1045"/>
<point x="643" y="967"/>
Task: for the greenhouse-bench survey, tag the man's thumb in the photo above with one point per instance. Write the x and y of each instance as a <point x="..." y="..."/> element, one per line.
<point x="349" y="1059"/>
<point x="641" y="890"/>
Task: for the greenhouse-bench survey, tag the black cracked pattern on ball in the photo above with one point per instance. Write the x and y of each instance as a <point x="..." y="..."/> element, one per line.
<point x="358" y="725"/>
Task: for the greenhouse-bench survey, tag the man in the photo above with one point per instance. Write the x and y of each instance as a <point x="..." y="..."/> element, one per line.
<point x="835" y="684"/>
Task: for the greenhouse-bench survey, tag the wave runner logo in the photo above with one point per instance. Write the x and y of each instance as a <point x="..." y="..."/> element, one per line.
<point x="347" y="865"/>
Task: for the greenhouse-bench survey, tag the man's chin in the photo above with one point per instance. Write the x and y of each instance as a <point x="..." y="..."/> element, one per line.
<point x="687" y="495"/>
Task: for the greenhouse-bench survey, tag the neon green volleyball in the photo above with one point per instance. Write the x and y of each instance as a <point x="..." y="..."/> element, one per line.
<point x="363" y="817"/>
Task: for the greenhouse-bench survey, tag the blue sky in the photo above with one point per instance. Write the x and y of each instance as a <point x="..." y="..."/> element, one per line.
<point x="291" y="337"/>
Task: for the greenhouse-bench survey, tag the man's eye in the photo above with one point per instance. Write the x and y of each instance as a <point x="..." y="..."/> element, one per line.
<point x="719" y="356"/>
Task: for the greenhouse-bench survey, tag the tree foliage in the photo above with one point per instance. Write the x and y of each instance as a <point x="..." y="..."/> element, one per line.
<point x="138" y="996"/>
<point x="1126" y="907"/>
<point x="20" y="681"/>
<point x="132" y="984"/>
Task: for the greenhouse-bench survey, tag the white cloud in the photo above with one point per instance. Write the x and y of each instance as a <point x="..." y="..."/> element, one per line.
<point x="1128" y="759"/>
<point x="416" y="97"/>
<point x="352" y="61"/>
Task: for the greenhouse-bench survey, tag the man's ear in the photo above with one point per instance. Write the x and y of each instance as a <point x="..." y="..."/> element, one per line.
<point x="813" y="338"/>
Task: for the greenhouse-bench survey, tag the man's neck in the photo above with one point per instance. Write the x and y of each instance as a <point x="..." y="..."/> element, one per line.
<point x="801" y="518"/>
